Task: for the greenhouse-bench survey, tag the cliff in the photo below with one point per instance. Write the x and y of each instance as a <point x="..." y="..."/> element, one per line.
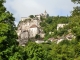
<point x="29" y="27"/>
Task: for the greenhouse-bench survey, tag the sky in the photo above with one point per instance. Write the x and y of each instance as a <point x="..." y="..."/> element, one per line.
<point x="24" y="8"/>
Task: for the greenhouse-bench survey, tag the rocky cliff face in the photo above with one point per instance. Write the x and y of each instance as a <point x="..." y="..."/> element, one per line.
<point x="29" y="28"/>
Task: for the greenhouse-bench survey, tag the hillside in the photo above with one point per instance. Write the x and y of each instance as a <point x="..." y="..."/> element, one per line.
<point x="40" y="37"/>
<point x="41" y="28"/>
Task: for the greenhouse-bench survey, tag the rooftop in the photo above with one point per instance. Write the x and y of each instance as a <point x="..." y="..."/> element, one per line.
<point x="33" y="26"/>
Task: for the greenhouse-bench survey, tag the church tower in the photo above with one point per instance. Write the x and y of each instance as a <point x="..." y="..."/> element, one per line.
<point x="45" y="14"/>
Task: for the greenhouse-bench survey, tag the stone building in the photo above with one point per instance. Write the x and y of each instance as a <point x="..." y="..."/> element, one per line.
<point x="29" y="28"/>
<point x="33" y="31"/>
<point x="60" y="26"/>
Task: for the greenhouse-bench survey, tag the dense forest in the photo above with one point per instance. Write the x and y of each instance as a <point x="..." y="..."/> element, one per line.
<point x="65" y="50"/>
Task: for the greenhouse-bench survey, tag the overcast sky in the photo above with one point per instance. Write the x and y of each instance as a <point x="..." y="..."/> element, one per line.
<point x="24" y="8"/>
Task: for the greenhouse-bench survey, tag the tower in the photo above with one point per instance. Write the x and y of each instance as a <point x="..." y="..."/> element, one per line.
<point x="45" y="14"/>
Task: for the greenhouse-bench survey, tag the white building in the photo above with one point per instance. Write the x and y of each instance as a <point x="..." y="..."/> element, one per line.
<point x="60" y="26"/>
<point x="33" y="30"/>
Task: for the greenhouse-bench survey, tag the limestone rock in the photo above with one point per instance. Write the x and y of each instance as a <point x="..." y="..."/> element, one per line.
<point x="29" y="28"/>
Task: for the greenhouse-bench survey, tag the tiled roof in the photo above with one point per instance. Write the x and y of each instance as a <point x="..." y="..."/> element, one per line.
<point x="33" y="26"/>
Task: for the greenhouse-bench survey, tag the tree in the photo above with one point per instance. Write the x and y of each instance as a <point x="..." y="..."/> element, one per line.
<point x="76" y="1"/>
<point x="76" y="11"/>
<point x="75" y="20"/>
<point x="37" y="36"/>
<point x="49" y="20"/>
<point x="31" y="16"/>
<point x="36" y="52"/>
<point x="7" y="31"/>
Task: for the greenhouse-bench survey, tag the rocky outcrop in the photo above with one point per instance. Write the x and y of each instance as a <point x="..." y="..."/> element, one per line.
<point x="29" y="28"/>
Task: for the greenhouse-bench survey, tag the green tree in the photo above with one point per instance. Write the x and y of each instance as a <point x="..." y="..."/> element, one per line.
<point x="37" y="36"/>
<point x="76" y="11"/>
<point x="7" y="31"/>
<point x="76" y="1"/>
<point x="36" y="52"/>
<point x="31" y="16"/>
<point x="75" y="21"/>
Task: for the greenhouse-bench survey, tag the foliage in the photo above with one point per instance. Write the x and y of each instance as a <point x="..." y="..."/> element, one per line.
<point x="31" y="16"/>
<point x="65" y="50"/>
<point x="36" y="52"/>
<point x="76" y="1"/>
<point x="76" y="11"/>
<point x="62" y="31"/>
<point x="8" y="34"/>
<point x="49" y="24"/>
<point x="37" y="36"/>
